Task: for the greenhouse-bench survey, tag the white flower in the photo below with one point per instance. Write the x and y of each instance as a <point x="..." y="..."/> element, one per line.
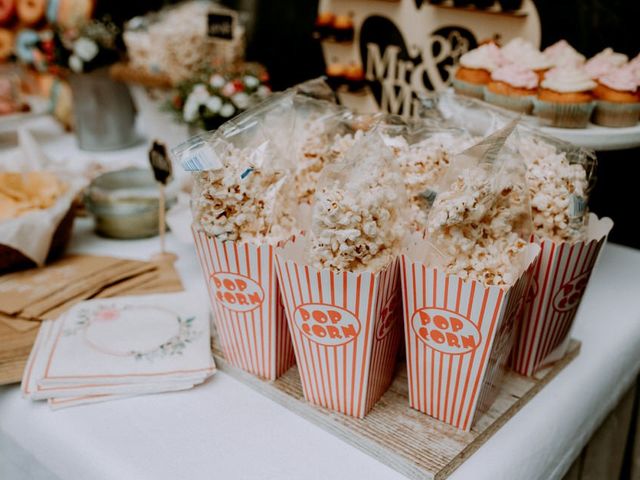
<point x="75" y="64"/>
<point x="241" y="100"/>
<point x="85" y="48"/>
<point x="213" y="104"/>
<point x="227" y="110"/>
<point x="216" y="80"/>
<point x="228" y="89"/>
<point x="191" y="107"/>
<point x="263" y="91"/>
<point x="200" y="90"/>
<point x="250" y="81"/>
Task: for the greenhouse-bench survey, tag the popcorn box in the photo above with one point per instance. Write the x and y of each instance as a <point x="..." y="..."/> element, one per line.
<point x="458" y="336"/>
<point x="245" y="297"/>
<point x="561" y="274"/>
<point x="346" y="330"/>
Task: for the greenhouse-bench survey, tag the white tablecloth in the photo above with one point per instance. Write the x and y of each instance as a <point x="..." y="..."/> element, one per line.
<point x="225" y="430"/>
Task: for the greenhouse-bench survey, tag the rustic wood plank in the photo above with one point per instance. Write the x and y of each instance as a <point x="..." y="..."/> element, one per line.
<point x="408" y="441"/>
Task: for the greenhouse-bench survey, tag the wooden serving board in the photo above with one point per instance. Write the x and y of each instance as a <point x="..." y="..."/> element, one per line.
<point x="410" y="442"/>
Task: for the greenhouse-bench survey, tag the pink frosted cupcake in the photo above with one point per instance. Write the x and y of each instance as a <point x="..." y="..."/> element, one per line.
<point x="617" y="98"/>
<point x="523" y="53"/>
<point x="513" y="87"/>
<point x="562" y="54"/>
<point x="604" y="62"/>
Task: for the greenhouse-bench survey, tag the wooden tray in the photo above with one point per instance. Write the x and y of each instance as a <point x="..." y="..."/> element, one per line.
<point x="410" y="442"/>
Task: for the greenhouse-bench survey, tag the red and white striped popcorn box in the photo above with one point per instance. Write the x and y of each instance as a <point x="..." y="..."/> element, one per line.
<point x="458" y="336"/>
<point x="560" y="278"/>
<point x="245" y="298"/>
<point x="346" y="329"/>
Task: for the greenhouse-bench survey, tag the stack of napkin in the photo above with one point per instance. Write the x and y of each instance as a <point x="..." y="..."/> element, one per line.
<point x="113" y="348"/>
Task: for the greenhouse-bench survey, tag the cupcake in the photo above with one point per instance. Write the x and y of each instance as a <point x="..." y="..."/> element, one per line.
<point x="562" y="54"/>
<point x="343" y="28"/>
<point x="565" y="97"/>
<point x="523" y="53"/>
<point x="604" y="62"/>
<point x="335" y="74"/>
<point x="513" y="87"/>
<point x="474" y="71"/>
<point x="617" y="98"/>
<point x="354" y="77"/>
<point x="324" y="24"/>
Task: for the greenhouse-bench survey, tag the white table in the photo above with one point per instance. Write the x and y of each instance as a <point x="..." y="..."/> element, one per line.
<point x="228" y="429"/>
<point x="223" y="429"/>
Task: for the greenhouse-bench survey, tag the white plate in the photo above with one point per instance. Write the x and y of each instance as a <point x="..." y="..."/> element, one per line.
<point x="599" y="138"/>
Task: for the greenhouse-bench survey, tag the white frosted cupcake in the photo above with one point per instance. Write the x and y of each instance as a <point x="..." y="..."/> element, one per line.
<point x="563" y="54"/>
<point x="475" y="68"/>
<point x="565" y="98"/>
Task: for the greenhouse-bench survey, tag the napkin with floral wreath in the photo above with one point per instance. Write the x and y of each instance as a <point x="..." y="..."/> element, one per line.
<point x="118" y="347"/>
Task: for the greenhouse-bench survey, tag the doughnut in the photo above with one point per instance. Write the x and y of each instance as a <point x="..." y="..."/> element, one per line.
<point x="30" y="12"/>
<point x="6" y="43"/>
<point x="7" y="11"/>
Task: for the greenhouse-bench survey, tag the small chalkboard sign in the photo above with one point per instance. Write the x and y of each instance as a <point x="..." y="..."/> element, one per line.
<point x="221" y="24"/>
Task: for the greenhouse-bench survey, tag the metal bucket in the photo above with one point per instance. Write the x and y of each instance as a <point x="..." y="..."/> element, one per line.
<point x="103" y="112"/>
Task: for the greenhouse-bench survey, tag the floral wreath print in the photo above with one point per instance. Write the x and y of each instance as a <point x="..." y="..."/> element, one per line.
<point x="175" y="345"/>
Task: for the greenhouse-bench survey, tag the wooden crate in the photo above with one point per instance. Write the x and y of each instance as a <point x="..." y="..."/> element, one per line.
<point x="408" y="441"/>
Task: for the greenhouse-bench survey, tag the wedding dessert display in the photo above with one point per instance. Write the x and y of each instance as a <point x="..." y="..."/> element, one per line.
<point x="400" y="251"/>
<point x="558" y="85"/>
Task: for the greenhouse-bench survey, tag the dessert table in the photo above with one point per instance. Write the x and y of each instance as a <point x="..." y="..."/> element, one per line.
<point x="224" y="429"/>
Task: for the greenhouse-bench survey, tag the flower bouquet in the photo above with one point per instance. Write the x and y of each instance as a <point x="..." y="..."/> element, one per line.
<point x="218" y="94"/>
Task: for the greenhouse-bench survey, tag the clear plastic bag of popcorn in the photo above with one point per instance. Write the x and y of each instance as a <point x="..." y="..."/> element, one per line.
<point x="359" y="213"/>
<point x="423" y="153"/>
<point x="316" y="125"/>
<point x="480" y="221"/>
<point x="560" y="177"/>
<point x="241" y="175"/>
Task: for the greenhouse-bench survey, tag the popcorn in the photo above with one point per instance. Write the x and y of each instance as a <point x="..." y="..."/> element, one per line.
<point x="243" y="201"/>
<point x="423" y="164"/>
<point x="317" y="150"/>
<point x="557" y="190"/>
<point x="357" y="216"/>
<point x="480" y="222"/>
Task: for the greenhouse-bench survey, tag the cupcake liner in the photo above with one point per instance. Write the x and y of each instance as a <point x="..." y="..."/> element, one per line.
<point x="516" y="103"/>
<point x="564" y="115"/>
<point x="610" y="114"/>
<point x="245" y="299"/>
<point x="467" y="88"/>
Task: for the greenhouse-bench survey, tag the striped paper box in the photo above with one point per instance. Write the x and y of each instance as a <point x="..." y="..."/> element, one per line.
<point x="561" y="274"/>
<point x="458" y="336"/>
<point x="346" y="329"/>
<point x="245" y="298"/>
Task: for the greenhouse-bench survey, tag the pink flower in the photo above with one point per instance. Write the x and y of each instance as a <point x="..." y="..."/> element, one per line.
<point x="229" y="89"/>
<point x="107" y="315"/>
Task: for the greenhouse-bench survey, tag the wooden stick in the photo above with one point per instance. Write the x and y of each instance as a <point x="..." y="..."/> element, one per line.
<point x="161" y="220"/>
